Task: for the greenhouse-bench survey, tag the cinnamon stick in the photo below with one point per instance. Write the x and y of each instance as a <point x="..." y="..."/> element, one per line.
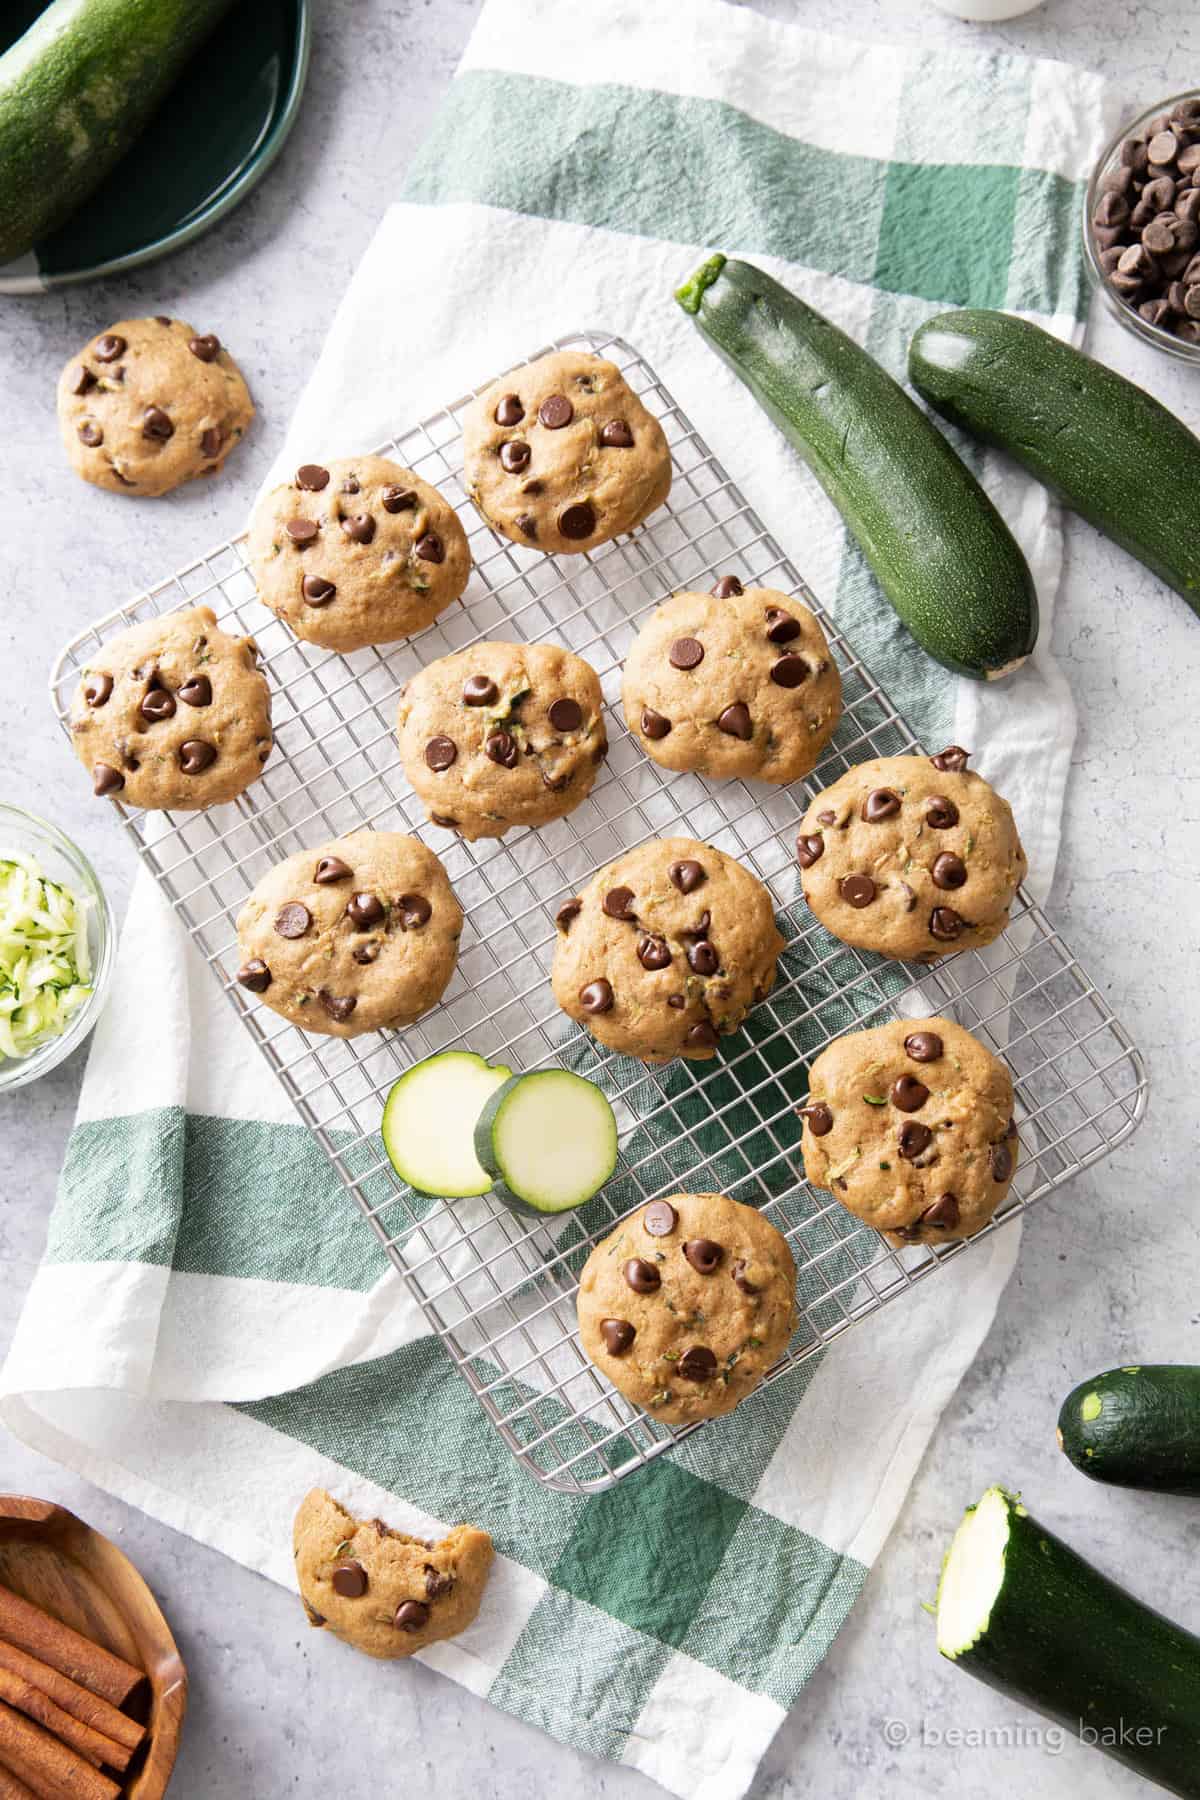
<point x="80" y="1702"/>
<point x="50" y="1768"/>
<point x="35" y="1704"/>
<point x="11" y="1788"/>
<point x="43" y="1636"/>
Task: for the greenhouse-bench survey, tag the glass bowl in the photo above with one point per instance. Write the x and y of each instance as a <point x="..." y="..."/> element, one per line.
<point x="1128" y="315"/>
<point x="64" y="862"/>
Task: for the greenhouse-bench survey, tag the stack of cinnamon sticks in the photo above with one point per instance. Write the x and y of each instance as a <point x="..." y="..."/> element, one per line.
<point x="63" y="1735"/>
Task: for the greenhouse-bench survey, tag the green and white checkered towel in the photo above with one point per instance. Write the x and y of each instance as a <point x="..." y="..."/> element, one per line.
<point x="213" y="1329"/>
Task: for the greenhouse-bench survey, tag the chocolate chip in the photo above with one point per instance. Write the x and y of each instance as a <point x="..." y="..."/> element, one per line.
<point x="413" y="911"/>
<point x="359" y="528"/>
<point x="106" y="779"/>
<point x="107" y="348"/>
<point x="479" y="690"/>
<point x="312" y="477"/>
<point x="704" y="1256"/>
<point x="509" y="410"/>
<point x="157" y="704"/>
<point x="660" y="1218"/>
<point x="702" y="958"/>
<point x="789" y="671"/>
<point x="1010" y="1131"/>
<point x="254" y="975"/>
<point x="566" y="715"/>
<point x="84" y="379"/>
<point x="677" y="1001"/>
<point x="301" y="531"/>
<point x="349" y="1579"/>
<point x="97" y="689"/>
<point x="923" y="1046"/>
<point x="616" y="435"/>
<point x="577" y="521"/>
<point x="702" y="1036"/>
<point x="597" y="996"/>
<point x="857" y="890"/>
<point x="653" y="953"/>
<point x="366" y="953"/>
<point x="687" y="875"/>
<point x="514" y="456"/>
<point x="397" y="499"/>
<point x="940" y="813"/>
<point x="727" y="587"/>
<point x="437" y="1582"/>
<point x="951" y="760"/>
<point x="654" y="726"/>
<point x="908" y="1094"/>
<point x="317" y="591"/>
<point x="156" y="424"/>
<point x="440" y="752"/>
<point x="741" y="1279"/>
<point x="528" y="524"/>
<point x="880" y="803"/>
<point x="555" y="412"/>
<point x="1163" y="148"/>
<point x="949" y="871"/>
<point x="642" y="1276"/>
<point x="293" y="919"/>
<point x="195" y="755"/>
<point x="943" y="1212"/>
<point x="826" y="818"/>
<point x="331" y="869"/>
<point x="411" y="1615"/>
<point x="207" y="348"/>
<point x="365" y="910"/>
<point x="501" y="747"/>
<point x="735" y="721"/>
<point x="314" y="1617"/>
<point x="686" y="653"/>
<point x="444" y="820"/>
<point x="809" y="850"/>
<point x="618" y="903"/>
<point x="90" y="434"/>
<point x="1001" y="1160"/>
<point x="570" y="909"/>
<point x="782" y="627"/>
<point x="696" y="1364"/>
<point x="818" y="1118"/>
<point x="913" y="1139"/>
<point x="338" y="1006"/>
<point x="700" y="928"/>
<point x="618" y="1335"/>
<point x="430" y="548"/>
<point x="945" y="924"/>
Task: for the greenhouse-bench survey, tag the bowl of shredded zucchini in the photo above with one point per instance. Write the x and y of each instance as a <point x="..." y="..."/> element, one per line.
<point x="57" y="940"/>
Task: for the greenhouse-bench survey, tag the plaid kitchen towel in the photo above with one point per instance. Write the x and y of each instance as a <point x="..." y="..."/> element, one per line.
<point x="213" y="1329"/>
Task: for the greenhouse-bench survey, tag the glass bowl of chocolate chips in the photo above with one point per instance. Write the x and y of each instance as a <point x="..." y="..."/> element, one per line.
<point x="1141" y="225"/>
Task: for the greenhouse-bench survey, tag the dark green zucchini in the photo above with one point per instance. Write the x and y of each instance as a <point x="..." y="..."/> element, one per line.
<point x="1021" y="1610"/>
<point x="1104" y="446"/>
<point x="1136" y="1427"/>
<point x="75" y="92"/>
<point x="943" y="555"/>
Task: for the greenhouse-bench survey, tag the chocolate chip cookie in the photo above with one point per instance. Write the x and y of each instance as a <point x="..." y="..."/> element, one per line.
<point x="687" y="1304"/>
<point x="502" y="735"/>
<point x="910" y="1126"/>
<point x="149" y="404"/>
<point x="351" y="936"/>
<point x="357" y="551"/>
<point x="913" y="856"/>
<point x="562" y="455"/>
<point x="737" y="682"/>
<point x="379" y="1589"/>
<point x="173" y="713"/>
<point x="666" y="950"/>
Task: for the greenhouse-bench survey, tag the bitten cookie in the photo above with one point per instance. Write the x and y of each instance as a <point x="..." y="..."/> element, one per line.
<point x="913" y="856"/>
<point x="379" y="1589"/>
<point x="666" y="950"/>
<point x="502" y="735"/>
<point x="738" y="682"/>
<point x="351" y="936"/>
<point x="357" y="551"/>
<point x="173" y="713"/>
<point x="910" y="1126"/>
<point x="687" y="1304"/>
<point x="149" y="404"/>
<point x="562" y="455"/>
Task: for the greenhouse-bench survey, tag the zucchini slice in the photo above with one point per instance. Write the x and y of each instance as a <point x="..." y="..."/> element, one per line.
<point x="428" y="1118"/>
<point x="1136" y="1427"/>
<point x="1022" y="1611"/>
<point x="549" y="1139"/>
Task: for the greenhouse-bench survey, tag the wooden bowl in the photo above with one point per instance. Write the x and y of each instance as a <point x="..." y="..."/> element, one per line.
<point x="52" y="1558"/>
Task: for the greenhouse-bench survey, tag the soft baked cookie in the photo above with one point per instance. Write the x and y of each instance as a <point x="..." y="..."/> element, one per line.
<point x="562" y="455"/>
<point x="357" y="551"/>
<point x="379" y="1589"/>
<point x="150" y="404"/>
<point x="351" y="936"/>
<point x="687" y="1304"/>
<point x="502" y="735"/>
<point x="738" y="682"/>
<point x="910" y="1126"/>
<point x="913" y="856"/>
<point x="173" y="713"/>
<point x="666" y="950"/>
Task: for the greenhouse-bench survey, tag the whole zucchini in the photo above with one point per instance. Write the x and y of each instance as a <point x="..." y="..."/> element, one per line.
<point x="943" y="555"/>
<point x="1136" y="1427"/>
<point x="1021" y="1610"/>
<point x="1104" y="446"/>
<point x="75" y="92"/>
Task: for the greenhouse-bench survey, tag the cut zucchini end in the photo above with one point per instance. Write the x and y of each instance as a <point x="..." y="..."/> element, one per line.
<point x="696" y="286"/>
<point x="973" y="1573"/>
<point x="428" y="1121"/>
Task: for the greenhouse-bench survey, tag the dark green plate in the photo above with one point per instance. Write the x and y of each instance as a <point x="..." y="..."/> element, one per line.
<point x="216" y="135"/>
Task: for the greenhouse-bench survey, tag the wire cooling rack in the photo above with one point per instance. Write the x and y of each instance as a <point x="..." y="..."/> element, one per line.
<point x="500" y="1289"/>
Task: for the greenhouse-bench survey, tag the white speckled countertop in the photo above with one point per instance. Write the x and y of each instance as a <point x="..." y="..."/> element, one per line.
<point x="1106" y="1272"/>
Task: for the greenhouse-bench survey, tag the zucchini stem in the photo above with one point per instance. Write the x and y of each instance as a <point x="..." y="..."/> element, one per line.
<point x="693" y="290"/>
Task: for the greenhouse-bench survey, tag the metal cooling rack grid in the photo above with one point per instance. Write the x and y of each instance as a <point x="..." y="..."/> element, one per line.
<point x="500" y="1289"/>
